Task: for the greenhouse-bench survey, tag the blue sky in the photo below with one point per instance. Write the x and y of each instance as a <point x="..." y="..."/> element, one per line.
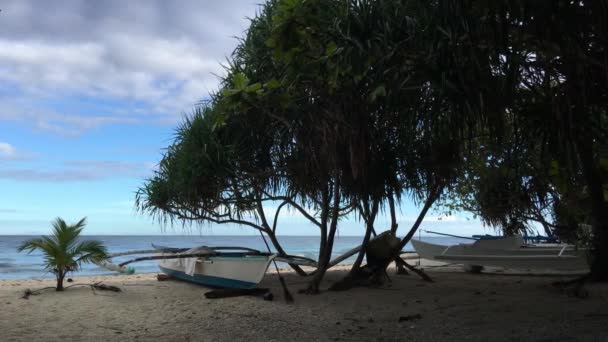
<point x="90" y="93"/>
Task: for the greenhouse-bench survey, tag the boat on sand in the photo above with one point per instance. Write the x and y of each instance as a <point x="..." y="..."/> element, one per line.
<point x="238" y="269"/>
<point x="508" y="252"/>
<point x="222" y="267"/>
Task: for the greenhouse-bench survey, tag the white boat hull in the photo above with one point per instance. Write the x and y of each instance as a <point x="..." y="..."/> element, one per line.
<point x="245" y="271"/>
<point x="557" y="258"/>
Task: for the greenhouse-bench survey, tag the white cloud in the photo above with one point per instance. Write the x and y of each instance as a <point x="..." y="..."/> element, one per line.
<point x="444" y="218"/>
<point x="7" y="151"/>
<point x="160" y="58"/>
<point x="432" y="218"/>
<point x="77" y="171"/>
<point x="167" y="77"/>
<point x="40" y="117"/>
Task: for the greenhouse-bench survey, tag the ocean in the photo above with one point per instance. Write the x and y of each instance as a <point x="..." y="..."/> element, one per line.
<point x="15" y="265"/>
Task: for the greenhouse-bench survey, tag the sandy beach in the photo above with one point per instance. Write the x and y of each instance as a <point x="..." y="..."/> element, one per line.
<point x="456" y="307"/>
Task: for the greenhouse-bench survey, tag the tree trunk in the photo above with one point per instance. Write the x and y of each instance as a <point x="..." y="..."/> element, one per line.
<point x="60" y="276"/>
<point x="599" y="214"/>
<point x="370" y="218"/>
<point x="427" y="205"/>
<point x="275" y="242"/>
<point x="394" y="224"/>
<point x="327" y="241"/>
<point x="315" y="282"/>
<point x="376" y="272"/>
<point x="313" y="285"/>
<point x="277" y="246"/>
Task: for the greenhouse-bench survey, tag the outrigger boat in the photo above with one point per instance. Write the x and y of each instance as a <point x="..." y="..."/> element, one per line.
<point x="222" y="267"/>
<point x="508" y="252"/>
<point x="238" y="269"/>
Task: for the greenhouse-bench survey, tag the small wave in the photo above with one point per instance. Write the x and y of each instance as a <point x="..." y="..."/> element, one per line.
<point x="22" y="271"/>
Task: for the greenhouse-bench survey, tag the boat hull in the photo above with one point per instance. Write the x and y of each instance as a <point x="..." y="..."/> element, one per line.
<point x="563" y="263"/>
<point x="521" y="258"/>
<point x="239" y="272"/>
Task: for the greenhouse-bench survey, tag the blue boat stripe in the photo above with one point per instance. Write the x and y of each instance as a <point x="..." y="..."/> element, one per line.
<point x="209" y="280"/>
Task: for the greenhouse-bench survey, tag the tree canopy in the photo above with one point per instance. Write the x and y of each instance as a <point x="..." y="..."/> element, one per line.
<point x="338" y="107"/>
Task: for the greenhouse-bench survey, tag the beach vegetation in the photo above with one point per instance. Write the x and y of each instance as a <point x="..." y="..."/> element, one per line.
<point x="336" y="108"/>
<point x="64" y="251"/>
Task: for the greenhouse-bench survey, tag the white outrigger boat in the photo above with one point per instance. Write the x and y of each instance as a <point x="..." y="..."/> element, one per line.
<point x="238" y="269"/>
<point x="508" y="252"/>
<point x="222" y="267"/>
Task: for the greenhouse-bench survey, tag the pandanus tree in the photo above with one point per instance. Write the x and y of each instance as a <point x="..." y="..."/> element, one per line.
<point x="63" y="251"/>
<point x="339" y="111"/>
<point x="346" y="106"/>
<point x="508" y="183"/>
<point x="212" y="174"/>
<point x="550" y="58"/>
<point x="233" y="159"/>
<point x="374" y="100"/>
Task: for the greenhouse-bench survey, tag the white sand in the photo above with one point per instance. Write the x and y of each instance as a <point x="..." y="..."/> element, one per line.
<point x="457" y="307"/>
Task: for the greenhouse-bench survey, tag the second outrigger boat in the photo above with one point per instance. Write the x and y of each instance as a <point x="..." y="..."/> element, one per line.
<point x="508" y="252"/>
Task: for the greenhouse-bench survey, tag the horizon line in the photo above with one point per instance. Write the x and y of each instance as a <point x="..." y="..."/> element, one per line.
<point x="219" y="235"/>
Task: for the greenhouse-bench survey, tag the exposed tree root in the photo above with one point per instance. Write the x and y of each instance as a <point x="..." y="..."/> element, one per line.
<point x="421" y="273"/>
<point x="575" y="287"/>
<point x="401" y="270"/>
<point x="366" y="276"/>
<point x="310" y="290"/>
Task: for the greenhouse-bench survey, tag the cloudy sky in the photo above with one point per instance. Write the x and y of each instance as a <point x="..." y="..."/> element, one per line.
<point x="90" y="92"/>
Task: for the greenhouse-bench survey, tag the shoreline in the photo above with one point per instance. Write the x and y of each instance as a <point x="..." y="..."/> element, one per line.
<point x="411" y="258"/>
<point x="477" y="307"/>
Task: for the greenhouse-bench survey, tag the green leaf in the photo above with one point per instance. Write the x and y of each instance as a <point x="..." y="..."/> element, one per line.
<point x="254" y="87"/>
<point x="331" y="48"/>
<point x="604" y="164"/>
<point x="284" y="100"/>
<point x="271" y="43"/>
<point x="240" y="81"/>
<point x="230" y="92"/>
<point x="553" y="168"/>
<point x="379" y="91"/>
<point x="273" y="84"/>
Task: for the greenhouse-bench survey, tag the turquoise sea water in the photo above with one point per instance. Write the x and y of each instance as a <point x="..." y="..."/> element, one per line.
<point x="14" y="265"/>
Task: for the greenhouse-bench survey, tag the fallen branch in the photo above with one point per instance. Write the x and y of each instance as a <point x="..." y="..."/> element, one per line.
<point x="226" y="293"/>
<point x="104" y="287"/>
<point x="98" y="285"/>
<point x="27" y="293"/>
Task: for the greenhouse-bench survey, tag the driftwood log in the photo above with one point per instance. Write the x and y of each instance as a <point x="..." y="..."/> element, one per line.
<point x="226" y="293"/>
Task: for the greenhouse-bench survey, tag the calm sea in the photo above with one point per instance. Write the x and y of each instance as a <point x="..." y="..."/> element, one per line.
<point x="14" y="265"/>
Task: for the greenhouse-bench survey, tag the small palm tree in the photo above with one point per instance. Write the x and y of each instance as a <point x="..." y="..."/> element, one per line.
<point x="63" y="251"/>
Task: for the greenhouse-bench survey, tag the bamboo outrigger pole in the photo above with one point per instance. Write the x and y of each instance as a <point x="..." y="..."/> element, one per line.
<point x="287" y="259"/>
<point x="450" y="235"/>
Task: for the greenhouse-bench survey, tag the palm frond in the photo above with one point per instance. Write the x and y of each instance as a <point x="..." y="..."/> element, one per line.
<point x="63" y="252"/>
<point x="88" y="251"/>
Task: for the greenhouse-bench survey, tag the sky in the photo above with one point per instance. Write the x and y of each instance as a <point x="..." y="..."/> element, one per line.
<point x="90" y="94"/>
